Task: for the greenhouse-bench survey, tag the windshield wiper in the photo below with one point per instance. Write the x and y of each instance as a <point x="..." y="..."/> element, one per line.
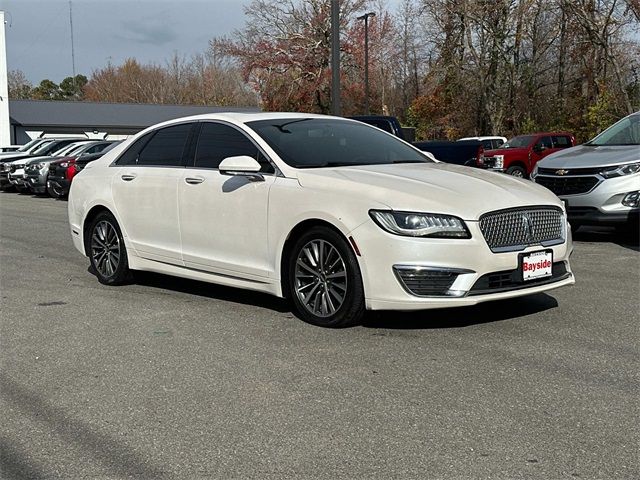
<point x="282" y="125"/>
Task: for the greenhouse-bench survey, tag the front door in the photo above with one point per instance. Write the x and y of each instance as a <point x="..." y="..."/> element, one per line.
<point x="224" y="219"/>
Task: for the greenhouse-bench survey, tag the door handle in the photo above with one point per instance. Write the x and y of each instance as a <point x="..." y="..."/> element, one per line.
<point x="127" y="178"/>
<point x="194" y="180"/>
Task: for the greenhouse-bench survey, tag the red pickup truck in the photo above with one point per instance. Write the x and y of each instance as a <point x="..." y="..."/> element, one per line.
<point x="519" y="155"/>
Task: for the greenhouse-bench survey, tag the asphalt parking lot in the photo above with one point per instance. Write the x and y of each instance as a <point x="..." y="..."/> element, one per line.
<point x="168" y="378"/>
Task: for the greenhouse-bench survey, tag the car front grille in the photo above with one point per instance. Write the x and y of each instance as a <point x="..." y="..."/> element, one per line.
<point x="516" y="229"/>
<point x="489" y="162"/>
<point x="567" y="184"/>
<point x="426" y="282"/>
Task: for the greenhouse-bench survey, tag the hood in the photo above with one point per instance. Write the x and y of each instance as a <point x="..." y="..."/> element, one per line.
<point x="507" y="152"/>
<point x="14" y="157"/>
<point x="584" y="156"/>
<point x="465" y="192"/>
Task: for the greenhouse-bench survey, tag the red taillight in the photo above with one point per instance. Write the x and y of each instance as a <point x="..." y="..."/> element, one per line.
<point x="71" y="170"/>
<point x="480" y="157"/>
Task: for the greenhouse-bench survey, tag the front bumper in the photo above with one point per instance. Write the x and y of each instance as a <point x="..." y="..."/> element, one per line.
<point x="471" y="258"/>
<point x="19" y="179"/>
<point x="37" y="182"/>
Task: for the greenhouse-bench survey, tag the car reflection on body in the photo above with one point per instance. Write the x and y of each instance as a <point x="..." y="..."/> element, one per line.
<point x="333" y="214"/>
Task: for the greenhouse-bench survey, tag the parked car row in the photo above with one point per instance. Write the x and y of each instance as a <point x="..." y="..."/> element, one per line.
<point x="48" y="165"/>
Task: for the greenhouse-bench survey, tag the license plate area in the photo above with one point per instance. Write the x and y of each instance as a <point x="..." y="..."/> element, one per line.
<point x="536" y="265"/>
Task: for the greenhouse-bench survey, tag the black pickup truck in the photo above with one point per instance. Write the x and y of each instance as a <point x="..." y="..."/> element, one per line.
<point x="383" y="122"/>
<point x="462" y="152"/>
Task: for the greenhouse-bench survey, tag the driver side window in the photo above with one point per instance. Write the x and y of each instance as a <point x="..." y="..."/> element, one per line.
<point x="218" y="141"/>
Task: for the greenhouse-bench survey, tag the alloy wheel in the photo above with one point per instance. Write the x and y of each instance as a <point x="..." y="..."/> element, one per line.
<point x="105" y="248"/>
<point x="320" y="278"/>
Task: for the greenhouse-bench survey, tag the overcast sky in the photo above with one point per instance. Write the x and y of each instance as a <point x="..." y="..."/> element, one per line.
<point x="39" y="40"/>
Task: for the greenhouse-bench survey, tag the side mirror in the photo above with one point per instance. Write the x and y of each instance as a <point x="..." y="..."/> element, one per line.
<point x="538" y="148"/>
<point x="242" y="165"/>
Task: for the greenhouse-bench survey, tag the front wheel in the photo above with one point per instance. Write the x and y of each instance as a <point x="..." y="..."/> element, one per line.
<point x="107" y="251"/>
<point x="55" y="192"/>
<point x="325" y="285"/>
<point x="517" y="171"/>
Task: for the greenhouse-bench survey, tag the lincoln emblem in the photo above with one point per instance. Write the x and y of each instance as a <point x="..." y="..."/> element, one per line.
<point x="528" y="227"/>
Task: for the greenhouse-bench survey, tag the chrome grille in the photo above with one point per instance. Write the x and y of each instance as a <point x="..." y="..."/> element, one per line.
<point x="516" y="229"/>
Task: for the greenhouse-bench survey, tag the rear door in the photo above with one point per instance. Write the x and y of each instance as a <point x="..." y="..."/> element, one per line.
<point x="145" y="192"/>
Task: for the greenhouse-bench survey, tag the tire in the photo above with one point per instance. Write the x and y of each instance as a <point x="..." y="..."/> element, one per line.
<point x="517" y="171"/>
<point x="54" y="192"/>
<point x="106" y="250"/>
<point x="327" y="293"/>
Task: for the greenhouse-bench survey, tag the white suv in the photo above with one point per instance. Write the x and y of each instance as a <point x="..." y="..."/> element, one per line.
<point x="599" y="181"/>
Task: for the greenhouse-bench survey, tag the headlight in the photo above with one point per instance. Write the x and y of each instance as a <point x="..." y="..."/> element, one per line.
<point x="499" y="161"/>
<point x="412" y="224"/>
<point x="534" y="173"/>
<point x="621" y="170"/>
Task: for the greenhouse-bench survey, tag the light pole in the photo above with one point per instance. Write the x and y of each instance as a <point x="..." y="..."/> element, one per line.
<point x="365" y="17"/>
<point x="335" y="57"/>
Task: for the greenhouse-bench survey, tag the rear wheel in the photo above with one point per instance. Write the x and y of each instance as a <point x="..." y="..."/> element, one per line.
<point x="325" y="285"/>
<point x="107" y="251"/>
<point x="517" y="171"/>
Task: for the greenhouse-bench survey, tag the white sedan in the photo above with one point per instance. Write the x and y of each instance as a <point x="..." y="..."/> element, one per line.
<point x="335" y="215"/>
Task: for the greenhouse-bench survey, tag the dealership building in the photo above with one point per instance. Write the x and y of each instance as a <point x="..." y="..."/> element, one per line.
<point x="29" y="119"/>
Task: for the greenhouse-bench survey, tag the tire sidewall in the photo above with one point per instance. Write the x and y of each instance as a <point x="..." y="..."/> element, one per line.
<point x="515" y="168"/>
<point x="352" y="307"/>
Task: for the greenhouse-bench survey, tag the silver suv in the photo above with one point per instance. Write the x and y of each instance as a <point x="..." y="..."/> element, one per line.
<point x="599" y="181"/>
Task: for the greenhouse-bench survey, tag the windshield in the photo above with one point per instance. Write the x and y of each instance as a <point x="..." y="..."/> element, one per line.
<point x="520" y="141"/>
<point x="624" y="132"/>
<point x="28" y="145"/>
<point x="42" y="147"/>
<point x="320" y="142"/>
<point x="74" y="149"/>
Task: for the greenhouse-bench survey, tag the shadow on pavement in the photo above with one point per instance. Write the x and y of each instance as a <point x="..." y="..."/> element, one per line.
<point x="421" y="319"/>
<point x="112" y="454"/>
<point x="461" y="317"/>
<point x="629" y="239"/>
<point x="210" y="290"/>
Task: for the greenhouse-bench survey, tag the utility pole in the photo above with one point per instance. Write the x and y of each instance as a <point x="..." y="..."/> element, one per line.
<point x="335" y="57"/>
<point x="365" y="17"/>
<point x="5" y="129"/>
<point x="73" y="50"/>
